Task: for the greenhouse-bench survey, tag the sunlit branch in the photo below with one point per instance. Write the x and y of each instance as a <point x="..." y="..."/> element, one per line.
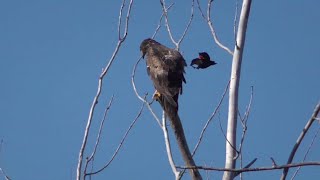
<point x="210" y="24"/>
<point x="100" y="82"/>
<point x="165" y="12"/>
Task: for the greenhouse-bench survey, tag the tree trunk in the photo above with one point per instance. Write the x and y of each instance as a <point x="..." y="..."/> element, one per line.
<point x="234" y="90"/>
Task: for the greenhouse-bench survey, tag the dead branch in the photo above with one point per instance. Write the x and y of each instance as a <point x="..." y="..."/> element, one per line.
<point x="102" y="75"/>
<point x="210" y="119"/>
<point x="160" y="20"/>
<point x="252" y="169"/>
<point x="307" y="152"/>
<point x="120" y="144"/>
<point x="300" y="138"/>
<point x="208" y="122"/>
<point x="90" y="158"/>
<point x="165" y="12"/>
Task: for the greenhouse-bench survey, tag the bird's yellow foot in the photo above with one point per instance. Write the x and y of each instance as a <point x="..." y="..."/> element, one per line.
<point x="156" y="95"/>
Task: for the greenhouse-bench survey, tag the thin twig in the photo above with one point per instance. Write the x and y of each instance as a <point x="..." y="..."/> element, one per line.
<point x="160" y="20"/>
<point x="235" y="23"/>
<point x="207" y="124"/>
<point x="300" y="138"/>
<point x="247" y="166"/>
<point x="307" y="152"/>
<point x="168" y="146"/>
<point x="252" y="169"/>
<point x="244" y="128"/>
<point x="121" y="142"/>
<point x="188" y="25"/>
<point x="201" y="12"/>
<point x="90" y="158"/>
<point x="215" y="37"/>
<point x="225" y="137"/>
<point x="210" y="119"/>
<point x="4" y="174"/>
<point x="165" y="12"/>
<point x="95" y="99"/>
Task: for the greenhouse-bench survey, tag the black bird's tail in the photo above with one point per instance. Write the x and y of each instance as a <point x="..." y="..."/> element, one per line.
<point x="171" y="112"/>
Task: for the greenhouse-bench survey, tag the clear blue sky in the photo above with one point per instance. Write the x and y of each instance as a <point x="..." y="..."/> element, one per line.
<point x="52" y="52"/>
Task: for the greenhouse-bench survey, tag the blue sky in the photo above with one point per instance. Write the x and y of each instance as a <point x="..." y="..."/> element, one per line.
<point x="52" y="52"/>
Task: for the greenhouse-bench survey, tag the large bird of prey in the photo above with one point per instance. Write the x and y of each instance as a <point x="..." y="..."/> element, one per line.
<point x="165" y="67"/>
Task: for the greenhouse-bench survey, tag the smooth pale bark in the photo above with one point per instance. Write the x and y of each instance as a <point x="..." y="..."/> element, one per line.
<point x="234" y="90"/>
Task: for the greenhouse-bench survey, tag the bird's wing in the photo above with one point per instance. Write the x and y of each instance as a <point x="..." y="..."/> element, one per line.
<point x="166" y="68"/>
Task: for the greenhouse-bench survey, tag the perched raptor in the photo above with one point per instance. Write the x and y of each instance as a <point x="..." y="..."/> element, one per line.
<point x="165" y="67"/>
<point x="203" y="61"/>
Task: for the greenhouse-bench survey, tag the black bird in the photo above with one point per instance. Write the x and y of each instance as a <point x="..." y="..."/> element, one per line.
<point x="165" y="67"/>
<point x="203" y="61"/>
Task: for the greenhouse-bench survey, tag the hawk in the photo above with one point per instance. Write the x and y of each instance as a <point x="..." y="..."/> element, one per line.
<point x="165" y="67"/>
<point x="203" y="61"/>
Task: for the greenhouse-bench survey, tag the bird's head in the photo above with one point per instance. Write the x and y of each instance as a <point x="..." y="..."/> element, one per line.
<point x="204" y="56"/>
<point x="144" y="46"/>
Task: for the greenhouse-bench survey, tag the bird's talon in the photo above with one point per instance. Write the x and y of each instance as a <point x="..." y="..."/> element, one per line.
<point x="156" y="96"/>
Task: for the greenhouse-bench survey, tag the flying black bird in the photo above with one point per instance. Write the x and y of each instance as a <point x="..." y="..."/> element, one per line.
<point x="165" y="67"/>
<point x="203" y="61"/>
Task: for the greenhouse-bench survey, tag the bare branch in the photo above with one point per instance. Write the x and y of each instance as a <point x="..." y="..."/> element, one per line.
<point x="207" y="123"/>
<point x="210" y="24"/>
<point x="90" y="158"/>
<point x="120" y="144"/>
<point x="244" y="128"/>
<point x="4" y="174"/>
<point x="95" y="99"/>
<point x="300" y="138"/>
<point x="210" y="119"/>
<point x="307" y="152"/>
<point x="230" y="144"/>
<point x="274" y="164"/>
<point x="201" y="12"/>
<point x="137" y="94"/>
<point x="168" y="147"/>
<point x="165" y="12"/>
<point x="235" y="23"/>
<point x="252" y="169"/>
<point x="160" y="20"/>
<point x="188" y="25"/>
<point x="247" y="166"/>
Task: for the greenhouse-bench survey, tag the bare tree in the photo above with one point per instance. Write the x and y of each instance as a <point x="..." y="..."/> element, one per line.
<point x="232" y="86"/>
